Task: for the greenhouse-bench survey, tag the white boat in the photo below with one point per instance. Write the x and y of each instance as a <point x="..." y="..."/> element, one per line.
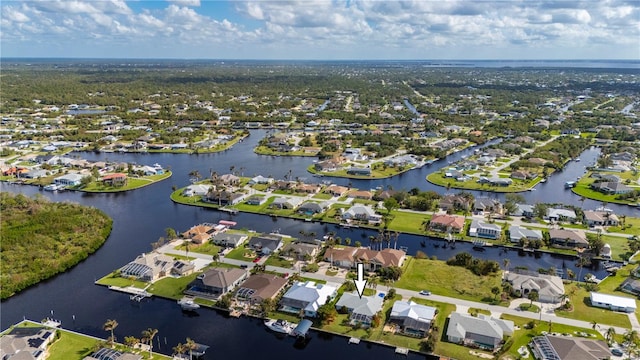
<point x="51" y="187"/>
<point x="188" y="304"/>
<point x="280" y="325"/>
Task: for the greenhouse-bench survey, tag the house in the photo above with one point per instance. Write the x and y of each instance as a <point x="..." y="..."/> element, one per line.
<point x="29" y="343"/>
<point x="549" y="287"/>
<point x="72" y="179"/>
<point x="612" y="302"/>
<point x="556" y="215"/>
<point x="483" y="229"/>
<point x="199" y="234"/>
<point x="518" y="232"/>
<point x="285" y="203"/>
<point x="480" y="331"/>
<point x="482" y="205"/>
<point x="360" y="194"/>
<point x="116" y="179"/>
<point x="610" y="187"/>
<point x="538" y="161"/>
<point x="35" y="174"/>
<point x="326" y="166"/>
<point x="260" y="287"/>
<point x="525" y="210"/>
<point x="260" y="180"/>
<point x="227" y="239"/>
<point x="631" y="285"/>
<point x="229" y="179"/>
<point x="182" y="268"/>
<point x="347" y="257"/>
<point x="362" y="213"/>
<point x="454" y="202"/>
<point x="148" y="267"/>
<point x="216" y="282"/>
<point x="300" y="251"/>
<point x="600" y="218"/>
<point x="223" y="197"/>
<point x="361" y="310"/>
<point x="523" y="175"/>
<point x="552" y="347"/>
<point x="446" y="223"/>
<point x="196" y="190"/>
<point x="256" y="200"/>
<point x="265" y="244"/>
<point x="336" y="190"/>
<point x="307" y="297"/>
<point x="359" y="171"/>
<point x="414" y="319"/>
<point x="112" y="354"/>
<point x="308" y="188"/>
<point x="564" y="238"/>
<point x="312" y="207"/>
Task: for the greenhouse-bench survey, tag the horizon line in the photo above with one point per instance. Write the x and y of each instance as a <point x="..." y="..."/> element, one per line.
<point x="292" y="59"/>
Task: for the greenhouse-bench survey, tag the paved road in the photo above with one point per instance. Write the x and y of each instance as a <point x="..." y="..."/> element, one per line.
<point x="546" y="314"/>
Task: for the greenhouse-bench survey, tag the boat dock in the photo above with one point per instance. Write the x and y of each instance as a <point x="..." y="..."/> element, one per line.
<point x="50" y="322"/>
<point x="230" y="211"/>
<point x="302" y="328"/>
<point x="402" y="351"/>
<point x="354" y="341"/>
<point x="135" y="294"/>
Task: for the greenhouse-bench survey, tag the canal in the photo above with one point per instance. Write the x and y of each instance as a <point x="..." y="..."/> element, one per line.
<point x="141" y="216"/>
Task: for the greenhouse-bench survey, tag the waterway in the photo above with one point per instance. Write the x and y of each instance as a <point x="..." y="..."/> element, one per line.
<point x="141" y="216"/>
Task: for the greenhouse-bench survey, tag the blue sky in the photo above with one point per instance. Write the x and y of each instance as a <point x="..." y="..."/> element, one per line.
<point x="323" y="29"/>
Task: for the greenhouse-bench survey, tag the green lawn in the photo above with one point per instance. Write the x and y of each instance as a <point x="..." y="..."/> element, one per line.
<point x="207" y="248"/>
<point x="71" y="346"/>
<point x="619" y="247"/>
<point x="171" y="287"/>
<point x="438" y="178"/>
<point x="582" y="188"/>
<point x="631" y="226"/>
<point x="582" y="309"/>
<point x="322" y="196"/>
<point x="241" y="253"/>
<point x="115" y="279"/>
<point x="407" y="222"/>
<point x="523" y="336"/>
<point x="442" y="279"/>
<point x="132" y="183"/>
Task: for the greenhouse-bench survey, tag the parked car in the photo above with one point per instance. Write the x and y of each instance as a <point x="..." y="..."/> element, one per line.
<point x="617" y="352"/>
<point x="256" y="259"/>
<point x="425" y="292"/>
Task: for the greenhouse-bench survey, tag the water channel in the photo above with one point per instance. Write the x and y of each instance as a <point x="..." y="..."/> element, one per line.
<point x="141" y="216"/>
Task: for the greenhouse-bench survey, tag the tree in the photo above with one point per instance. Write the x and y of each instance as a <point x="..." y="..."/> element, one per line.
<point x="110" y="325"/>
<point x="190" y="345"/>
<point x="495" y="291"/>
<point x="131" y="341"/>
<point x="594" y="325"/>
<point x="506" y="263"/>
<point x="390" y="204"/>
<point x="85" y="181"/>
<point x="611" y="332"/>
<point x="179" y="349"/>
<point x="533" y="296"/>
<point x="195" y="175"/>
<point x="171" y="233"/>
<point x="149" y="334"/>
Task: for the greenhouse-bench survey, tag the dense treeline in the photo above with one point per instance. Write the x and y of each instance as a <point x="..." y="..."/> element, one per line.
<point x="41" y="238"/>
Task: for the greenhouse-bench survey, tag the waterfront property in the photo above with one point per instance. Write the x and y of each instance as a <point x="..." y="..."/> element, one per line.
<point x="362" y="213"/>
<point x="446" y="223"/>
<point x="216" y="282"/>
<point x="600" y="218"/>
<point x="230" y="240"/>
<point x="71" y="179"/>
<point x="265" y="244"/>
<point x="361" y="310"/>
<point x="612" y="302"/>
<point x="260" y="287"/>
<point x="307" y="297"/>
<point x="347" y="257"/>
<point x="148" y="267"/>
<point x="550" y="288"/>
<point x="300" y="251"/>
<point x="28" y="343"/>
<point x="483" y="229"/>
<point x="568" y="239"/>
<point x="552" y="347"/>
<point x="412" y="318"/>
<point x="112" y="354"/>
<point x="481" y="331"/>
<point x="516" y="233"/>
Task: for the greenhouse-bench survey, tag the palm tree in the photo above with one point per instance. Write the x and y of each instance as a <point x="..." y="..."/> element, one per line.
<point x="179" y="349"/>
<point x="190" y="345"/>
<point x="149" y="334"/>
<point x="195" y="174"/>
<point x="611" y="332"/>
<point x="594" y="325"/>
<point x="110" y="325"/>
<point x="506" y="263"/>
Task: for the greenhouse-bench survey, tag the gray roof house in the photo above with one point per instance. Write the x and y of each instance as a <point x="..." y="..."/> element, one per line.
<point x="561" y="214"/>
<point x="361" y="212"/>
<point x="525" y="210"/>
<point x="414" y="319"/>
<point x="300" y="250"/>
<point x="228" y="240"/>
<point x="307" y="296"/>
<point x="265" y="245"/>
<point x="26" y="343"/>
<point x="216" y="282"/>
<point x="517" y="232"/>
<point x="565" y="238"/>
<point x="148" y="267"/>
<point x="482" y="331"/>
<point x="550" y="288"/>
<point x="312" y="207"/>
<point x="550" y="347"/>
<point x="483" y="229"/>
<point x="261" y="286"/>
<point x="285" y="203"/>
<point x="361" y="309"/>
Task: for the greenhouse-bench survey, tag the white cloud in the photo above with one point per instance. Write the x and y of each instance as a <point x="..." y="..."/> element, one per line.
<point x="193" y="3"/>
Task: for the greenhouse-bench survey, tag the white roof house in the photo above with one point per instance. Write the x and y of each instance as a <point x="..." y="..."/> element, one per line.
<point x="196" y="190"/>
<point x="483" y="331"/>
<point x="414" y="318"/>
<point x="361" y="309"/>
<point x="71" y="179"/>
<point x="516" y="233"/>
<point x="307" y="296"/>
<point x="549" y="287"/>
<point x="612" y="302"/>
<point x="558" y="214"/>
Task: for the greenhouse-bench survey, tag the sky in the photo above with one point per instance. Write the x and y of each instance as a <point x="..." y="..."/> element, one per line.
<point x="322" y="29"/>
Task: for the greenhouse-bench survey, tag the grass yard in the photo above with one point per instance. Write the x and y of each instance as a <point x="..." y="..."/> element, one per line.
<point x="631" y="226"/>
<point x="619" y="247"/>
<point x="407" y="222"/>
<point x="523" y="336"/>
<point x="132" y="183"/>
<point x="114" y="279"/>
<point x="323" y="196"/>
<point x="71" y="346"/>
<point x="437" y="178"/>
<point x="207" y="248"/>
<point x="442" y="279"/>
<point x="583" y="188"/>
<point x="171" y="287"/>
<point x="582" y="309"/>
